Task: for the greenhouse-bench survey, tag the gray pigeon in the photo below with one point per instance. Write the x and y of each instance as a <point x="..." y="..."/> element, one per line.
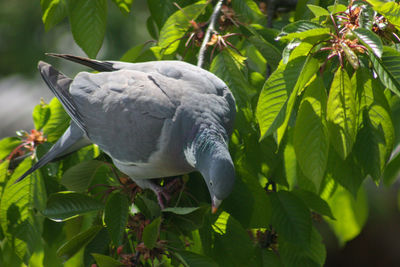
<point x="154" y="119"/>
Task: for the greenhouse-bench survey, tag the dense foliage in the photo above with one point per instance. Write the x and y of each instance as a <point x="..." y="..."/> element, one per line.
<point x="317" y="113"/>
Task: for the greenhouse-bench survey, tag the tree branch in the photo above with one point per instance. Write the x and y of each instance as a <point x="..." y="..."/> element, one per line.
<point x="211" y="28"/>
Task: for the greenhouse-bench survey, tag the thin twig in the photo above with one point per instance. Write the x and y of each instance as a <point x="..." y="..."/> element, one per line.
<point x="211" y="28"/>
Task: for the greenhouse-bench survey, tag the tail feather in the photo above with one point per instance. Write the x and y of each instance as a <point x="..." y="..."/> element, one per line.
<point x="59" y="85"/>
<point x="91" y="63"/>
<point x="73" y="139"/>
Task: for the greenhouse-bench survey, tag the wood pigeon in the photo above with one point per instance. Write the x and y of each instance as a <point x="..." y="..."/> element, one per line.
<point x="154" y="119"/>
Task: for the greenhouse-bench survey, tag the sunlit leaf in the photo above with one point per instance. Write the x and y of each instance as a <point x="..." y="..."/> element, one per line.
<point x="17" y="209"/>
<point x="116" y="216"/>
<point x="7" y="145"/>
<point x="71" y="247"/>
<point x="53" y="12"/>
<point x="57" y="123"/>
<point x="181" y="210"/>
<point x="350" y="213"/>
<point x="88" y="24"/>
<point x="342" y="114"/>
<point x="247" y="10"/>
<point x="390" y="10"/>
<point x="299" y="27"/>
<point x="318" y="11"/>
<point x="177" y="25"/>
<point x="311" y="139"/>
<point x="67" y="205"/>
<point x="388" y="68"/>
<point x="370" y="40"/>
<point x="40" y="114"/>
<point x="124" y="5"/>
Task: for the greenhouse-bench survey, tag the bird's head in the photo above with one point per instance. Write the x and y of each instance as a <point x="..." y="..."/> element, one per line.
<point x="220" y="180"/>
<point x="215" y="164"/>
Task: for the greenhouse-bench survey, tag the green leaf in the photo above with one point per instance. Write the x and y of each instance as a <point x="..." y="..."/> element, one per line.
<point x="100" y="244"/>
<point x="370" y="40"/>
<point x="267" y="50"/>
<point x="291" y="217"/>
<point x="271" y="107"/>
<point x="71" y="247"/>
<point x="19" y="202"/>
<point x="41" y="114"/>
<point x="78" y="177"/>
<point x="192" y="259"/>
<point x="106" y="261"/>
<point x="116" y="216"/>
<point x="318" y="11"/>
<point x="377" y="129"/>
<point x="88" y="24"/>
<point x="66" y="205"/>
<point x="7" y="145"/>
<point x="388" y="68"/>
<point x="124" y="5"/>
<point x="132" y="54"/>
<point x="392" y="170"/>
<point x="314" y="202"/>
<point x="302" y="29"/>
<point x="295" y="255"/>
<point x="151" y="233"/>
<point x="3" y="175"/>
<point x="233" y="247"/>
<point x="181" y="210"/>
<point x="351" y="214"/>
<point x="57" y="123"/>
<point x="342" y="114"/>
<point x="311" y="138"/>
<point x="177" y="25"/>
<point x="246" y="10"/>
<point x="162" y="10"/>
<point x="346" y="172"/>
<point x="54" y="11"/>
<point x="390" y="10"/>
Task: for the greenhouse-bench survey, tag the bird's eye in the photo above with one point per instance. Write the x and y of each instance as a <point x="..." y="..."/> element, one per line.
<point x="211" y="183"/>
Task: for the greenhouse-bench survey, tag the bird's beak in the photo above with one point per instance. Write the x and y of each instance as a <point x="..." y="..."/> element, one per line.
<point x="215" y="204"/>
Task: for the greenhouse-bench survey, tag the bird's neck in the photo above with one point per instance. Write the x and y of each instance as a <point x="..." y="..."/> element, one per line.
<point x="207" y="146"/>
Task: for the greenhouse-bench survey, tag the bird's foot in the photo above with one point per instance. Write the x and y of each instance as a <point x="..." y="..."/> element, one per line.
<point x="164" y="192"/>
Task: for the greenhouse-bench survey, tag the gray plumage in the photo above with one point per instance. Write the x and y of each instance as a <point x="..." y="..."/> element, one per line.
<point x="154" y="119"/>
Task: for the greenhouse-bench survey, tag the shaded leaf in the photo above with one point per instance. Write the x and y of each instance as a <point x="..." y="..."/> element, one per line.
<point x="151" y="233"/>
<point x="162" y="10"/>
<point x="295" y="255"/>
<point x="370" y="40"/>
<point x="342" y="114"/>
<point x="106" y="261"/>
<point x="71" y="247"/>
<point x="116" y="216"/>
<point x="392" y="170"/>
<point x="291" y="217"/>
<point x="66" y="205"/>
<point x="192" y="259"/>
<point x="88" y="24"/>
<point x="78" y="177"/>
<point x="314" y="202"/>
<point x="99" y="244"/>
<point x="267" y="50"/>
<point x="181" y="210"/>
